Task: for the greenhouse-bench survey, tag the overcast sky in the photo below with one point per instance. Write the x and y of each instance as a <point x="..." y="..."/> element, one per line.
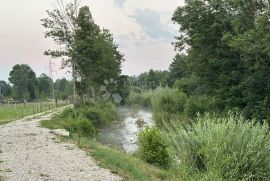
<point x="142" y="28"/>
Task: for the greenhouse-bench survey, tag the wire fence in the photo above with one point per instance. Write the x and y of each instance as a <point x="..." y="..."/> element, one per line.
<point x="10" y="112"/>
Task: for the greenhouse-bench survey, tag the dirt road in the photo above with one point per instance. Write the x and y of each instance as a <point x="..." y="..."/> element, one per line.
<point x="29" y="152"/>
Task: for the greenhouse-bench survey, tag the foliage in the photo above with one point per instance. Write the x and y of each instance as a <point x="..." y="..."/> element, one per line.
<point x="5" y="89"/>
<point x="224" y="43"/>
<point x="83" y="127"/>
<point x="60" y="26"/>
<point x="23" y="79"/>
<point x="198" y="104"/>
<point x="167" y="104"/>
<point x="154" y="148"/>
<point x="100" y="113"/>
<point x="96" y="57"/>
<point x="86" y="120"/>
<point x="44" y="86"/>
<point x="177" y="68"/>
<point x="63" y="88"/>
<point x="153" y="79"/>
<point x="141" y="98"/>
<point x="229" y="148"/>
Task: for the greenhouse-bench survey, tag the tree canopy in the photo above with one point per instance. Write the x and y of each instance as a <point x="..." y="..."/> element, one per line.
<point x="23" y="79"/>
<point x="227" y="47"/>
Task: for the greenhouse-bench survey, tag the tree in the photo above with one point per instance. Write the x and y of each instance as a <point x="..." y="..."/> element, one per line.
<point x="63" y="89"/>
<point x="226" y="43"/>
<point x="5" y="89"/>
<point x="23" y="79"/>
<point x="96" y="57"/>
<point x="178" y="68"/>
<point x="44" y="86"/>
<point x="60" y="25"/>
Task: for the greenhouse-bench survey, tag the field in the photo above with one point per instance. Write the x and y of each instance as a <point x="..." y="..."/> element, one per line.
<point x="11" y="112"/>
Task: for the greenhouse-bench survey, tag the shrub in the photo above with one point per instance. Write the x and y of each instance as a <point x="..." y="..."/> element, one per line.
<point x="153" y="147"/>
<point x="198" y="104"/>
<point x="229" y="148"/>
<point x="83" y="127"/>
<point x="141" y="98"/>
<point x="101" y="114"/>
<point x="169" y="100"/>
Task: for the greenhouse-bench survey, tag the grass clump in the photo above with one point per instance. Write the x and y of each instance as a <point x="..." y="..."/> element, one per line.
<point x="229" y="148"/>
<point x="154" y="148"/>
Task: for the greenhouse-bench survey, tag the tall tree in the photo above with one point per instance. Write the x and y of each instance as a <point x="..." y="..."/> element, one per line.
<point x="23" y="79"/>
<point x="227" y="51"/>
<point x="60" y="25"/>
<point x="95" y="54"/>
<point x="63" y="89"/>
<point x="44" y="86"/>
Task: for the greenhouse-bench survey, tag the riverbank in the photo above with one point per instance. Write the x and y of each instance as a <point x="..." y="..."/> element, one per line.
<point x="128" y="166"/>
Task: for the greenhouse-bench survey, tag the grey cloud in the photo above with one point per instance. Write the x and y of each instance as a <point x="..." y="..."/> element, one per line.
<point x="120" y="3"/>
<point x="150" y="22"/>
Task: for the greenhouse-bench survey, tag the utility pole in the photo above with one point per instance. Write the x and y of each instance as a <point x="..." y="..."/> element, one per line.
<point x="51" y="71"/>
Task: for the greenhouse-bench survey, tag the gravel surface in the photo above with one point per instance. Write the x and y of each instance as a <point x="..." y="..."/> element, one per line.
<point x="29" y="152"/>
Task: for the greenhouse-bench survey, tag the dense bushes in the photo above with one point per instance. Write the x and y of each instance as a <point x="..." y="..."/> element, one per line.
<point x="229" y="148"/>
<point x="199" y="104"/>
<point x="168" y="103"/>
<point x="154" y="148"/>
<point x="100" y="114"/>
<point x="141" y="98"/>
<point x="84" y="120"/>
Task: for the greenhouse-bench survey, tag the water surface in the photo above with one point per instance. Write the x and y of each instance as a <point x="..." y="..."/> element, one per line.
<point x="123" y="133"/>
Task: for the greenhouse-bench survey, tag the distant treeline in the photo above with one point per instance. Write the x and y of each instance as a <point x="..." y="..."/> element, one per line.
<point x="24" y="85"/>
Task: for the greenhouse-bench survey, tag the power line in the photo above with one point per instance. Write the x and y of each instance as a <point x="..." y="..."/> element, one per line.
<point x="51" y="72"/>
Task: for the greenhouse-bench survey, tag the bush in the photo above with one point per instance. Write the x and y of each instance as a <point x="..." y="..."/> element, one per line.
<point x="154" y="148"/>
<point x="83" y="127"/>
<point x="198" y="104"/>
<point x="229" y="148"/>
<point x="101" y="114"/>
<point x="141" y="98"/>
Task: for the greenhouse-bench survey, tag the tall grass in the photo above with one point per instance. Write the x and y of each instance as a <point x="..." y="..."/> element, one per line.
<point x="168" y="104"/>
<point x="140" y="98"/>
<point x="229" y="148"/>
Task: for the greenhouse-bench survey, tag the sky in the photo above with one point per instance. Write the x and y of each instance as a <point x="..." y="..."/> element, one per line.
<point x="142" y="28"/>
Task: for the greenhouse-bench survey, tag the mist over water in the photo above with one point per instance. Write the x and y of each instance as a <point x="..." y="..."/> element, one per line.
<point x="122" y="134"/>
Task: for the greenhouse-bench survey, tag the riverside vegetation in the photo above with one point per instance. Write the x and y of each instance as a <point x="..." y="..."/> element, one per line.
<point x="179" y="147"/>
<point x="212" y="110"/>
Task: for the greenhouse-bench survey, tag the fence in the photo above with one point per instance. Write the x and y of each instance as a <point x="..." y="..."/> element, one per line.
<point x="9" y="112"/>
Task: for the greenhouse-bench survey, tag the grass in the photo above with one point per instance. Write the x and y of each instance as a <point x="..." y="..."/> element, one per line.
<point x="130" y="167"/>
<point x="13" y="112"/>
<point x="222" y="148"/>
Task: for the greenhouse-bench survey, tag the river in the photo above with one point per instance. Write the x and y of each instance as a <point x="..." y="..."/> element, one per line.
<point x="122" y="134"/>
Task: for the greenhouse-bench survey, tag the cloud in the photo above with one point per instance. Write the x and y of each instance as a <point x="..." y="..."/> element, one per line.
<point x="120" y="3"/>
<point x="150" y="21"/>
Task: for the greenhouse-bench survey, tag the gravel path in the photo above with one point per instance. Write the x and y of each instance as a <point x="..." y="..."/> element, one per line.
<point x="29" y="152"/>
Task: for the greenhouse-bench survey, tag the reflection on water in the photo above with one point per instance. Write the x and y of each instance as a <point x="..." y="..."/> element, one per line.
<point x="123" y="134"/>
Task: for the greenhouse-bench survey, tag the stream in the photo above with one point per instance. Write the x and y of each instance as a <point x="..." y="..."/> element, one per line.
<point x="122" y="134"/>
